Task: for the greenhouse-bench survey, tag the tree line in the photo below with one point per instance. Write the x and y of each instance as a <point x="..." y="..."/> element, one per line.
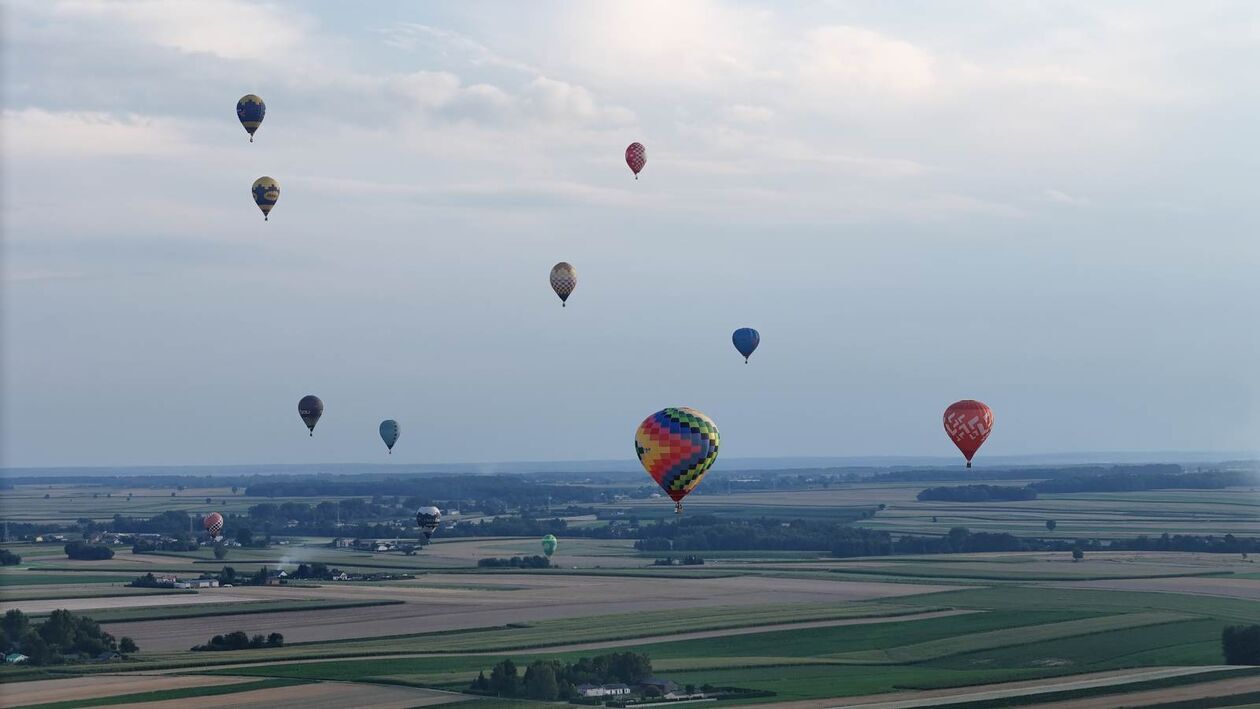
<point x="62" y="637"/>
<point x="549" y="680"/>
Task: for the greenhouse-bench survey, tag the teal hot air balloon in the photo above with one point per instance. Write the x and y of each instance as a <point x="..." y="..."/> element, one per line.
<point x="549" y="544"/>
<point x="389" y="433"/>
<point x="250" y="110"/>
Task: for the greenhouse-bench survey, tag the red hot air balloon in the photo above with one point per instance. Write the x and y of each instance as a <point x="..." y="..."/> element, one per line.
<point x="636" y="158"/>
<point x="968" y="423"/>
<point x="213" y="524"/>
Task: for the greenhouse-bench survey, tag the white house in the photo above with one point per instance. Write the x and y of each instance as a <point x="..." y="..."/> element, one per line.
<point x="606" y="690"/>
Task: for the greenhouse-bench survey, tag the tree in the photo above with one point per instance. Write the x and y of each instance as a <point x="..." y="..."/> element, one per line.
<point x="275" y="640"/>
<point x="481" y="684"/>
<point x="83" y="551"/>
<point x="540" y="681"/>
<point x="503" y="678"/>
<point x="15" y="623"/>
<point x="1051" y="524"/>
<point x="127" y="646"/>
<point x="234" y="489"/>
<point x="1077" y="553"/>
<point x="8" y="558"/>
<point x="207" y="500"/>
<point x="245" y="536"/>
<point x="1241" y="644"/>
<point x="220" y="551"/>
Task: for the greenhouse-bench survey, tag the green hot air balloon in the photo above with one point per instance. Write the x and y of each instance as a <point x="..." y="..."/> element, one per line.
<point x="549" y="544"/>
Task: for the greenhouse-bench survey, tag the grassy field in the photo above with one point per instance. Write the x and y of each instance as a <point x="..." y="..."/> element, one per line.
<point x="1030" y="616"/>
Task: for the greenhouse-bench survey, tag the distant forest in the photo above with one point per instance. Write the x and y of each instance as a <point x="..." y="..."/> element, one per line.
<point x="1127" y="481"/>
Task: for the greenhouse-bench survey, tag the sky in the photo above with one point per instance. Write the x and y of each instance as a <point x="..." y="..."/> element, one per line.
<point x="1050" y="207"/>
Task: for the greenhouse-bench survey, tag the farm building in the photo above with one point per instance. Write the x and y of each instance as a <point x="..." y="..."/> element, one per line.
<point x="606" y="690"/>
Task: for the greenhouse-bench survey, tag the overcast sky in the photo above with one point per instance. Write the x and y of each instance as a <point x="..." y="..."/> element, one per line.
<point x="1050" y="207"/>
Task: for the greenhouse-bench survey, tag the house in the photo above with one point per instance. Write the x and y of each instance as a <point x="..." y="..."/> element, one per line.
<point x="203" y="583"/>
<point x="606" y="690"/>
<point x="275" y="581"/>
<point x="107" y="656"/>
<point x="15" y="658"/>
<point x="343" y="543"/>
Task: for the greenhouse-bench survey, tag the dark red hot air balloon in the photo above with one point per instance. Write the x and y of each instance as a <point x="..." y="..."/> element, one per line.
<point x="636" y="158"/>
<point x="968" y="423"/>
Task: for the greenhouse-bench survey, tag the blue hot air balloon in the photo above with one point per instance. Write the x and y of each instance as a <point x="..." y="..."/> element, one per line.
<point x="746" y="340"/>
<point x="251" y="109"/>
<point x="389" y="433"/>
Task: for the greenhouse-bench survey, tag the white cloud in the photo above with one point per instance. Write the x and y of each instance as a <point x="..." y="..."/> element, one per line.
<point x="846" y="59"/>
<point x="225" y="28"/>
<point x="36" y="133"/>
<point x="744" y="113"/>
<point x="1060" y="197"/>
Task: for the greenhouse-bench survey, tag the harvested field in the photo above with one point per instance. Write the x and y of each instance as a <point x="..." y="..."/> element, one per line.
<point x="1222" y="586"/>
<point x="328" y="695"/>
<point x="64" y="690"/>
<point x="33" y="607"/>
<point x="1187" y="693"/>
<point x="431" y="609"/>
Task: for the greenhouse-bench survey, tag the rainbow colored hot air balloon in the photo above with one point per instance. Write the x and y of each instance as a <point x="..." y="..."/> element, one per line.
<point x="677" y="446"/>
<point x="250" y="110"/>
<point x="563" y="281"/>
<point x="968" y="423"/>
<point x="636" y="158"/>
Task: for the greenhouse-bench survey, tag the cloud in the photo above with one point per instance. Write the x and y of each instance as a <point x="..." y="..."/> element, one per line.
<point x="843" y="59"/>
<point x="39" y="134"/>
<point x="1059" y="197"/>
<point x="229" y="29"/>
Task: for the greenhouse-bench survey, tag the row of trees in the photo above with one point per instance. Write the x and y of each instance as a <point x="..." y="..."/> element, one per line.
<point x="8" y="558"/>
<point x="83" y="551"/>
<point x="1241" y="644"/>
<point x="516" y="562"/>
<point x="549" y="680"/>
<point x="239" y="640"/>
<point x="62" y="637"/>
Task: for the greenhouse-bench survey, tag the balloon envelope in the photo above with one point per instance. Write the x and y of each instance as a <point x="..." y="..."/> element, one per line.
<point x="389" y="433"/>
<point x="549" y="544"/>
<point x="427" y="519"/>
<point x="213" y="524"/>
<point x="677" y="446"/>
<point x="250" y="110"/>
<point x="310" y="408"/>
<point x="746" y="340"/>
<point x="636" y="158"/>
<point x="266" y="192"/>
<point x="968" y="423"/>
<point x="563" y="280"/>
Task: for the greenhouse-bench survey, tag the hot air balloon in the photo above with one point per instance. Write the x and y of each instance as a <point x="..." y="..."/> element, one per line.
<point x="266" y="192"/>
<point x="563" y="280"/>
<point x="677" y="446"/>
<point x="389" y="433"/>
<point x="310" y="408"/>
<point x="636" y="158"/>
<point x="968" y="423"/>
<point x="746" y="340"/>
<point x="427" y="519"/>
<point x="549" y="544"/>
<point x="250" y="110"/>
<point x="213" y="524"/>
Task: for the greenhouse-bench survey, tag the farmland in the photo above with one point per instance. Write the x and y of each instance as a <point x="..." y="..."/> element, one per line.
<point x="805" y="625"/>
